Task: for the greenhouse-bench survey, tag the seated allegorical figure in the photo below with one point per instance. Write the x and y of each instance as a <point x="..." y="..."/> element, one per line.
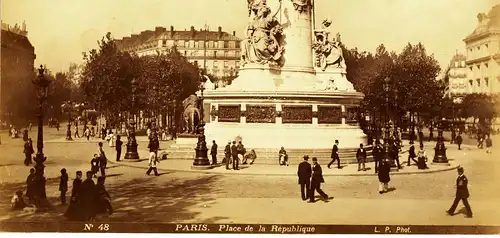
<point x="283" y="157"/>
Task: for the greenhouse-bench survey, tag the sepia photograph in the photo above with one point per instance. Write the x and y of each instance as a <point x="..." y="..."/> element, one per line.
<point x="250" y="117"/>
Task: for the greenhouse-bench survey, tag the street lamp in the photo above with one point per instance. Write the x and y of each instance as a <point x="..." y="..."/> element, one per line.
<point x="42" y="85"/>
<point x="440" y="149"/>
<point x="201" y="158"/>
<point x="131" y="153"/>
<point x="67" y="107"/>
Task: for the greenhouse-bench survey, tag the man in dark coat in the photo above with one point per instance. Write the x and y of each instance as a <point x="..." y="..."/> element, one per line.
<point x="118" y="147"/>
<point x="411" y="154"/>
<point x="73" y="212"/>
<point x="316" y="180"/>
<point x="304" y="174"/>
<point x="213" y="152"/>
<point x="378" y="154"/>
<point x="361" y="157"/>
<point x="88" y="196"/>
<point x="63" y="185"/>
<point x="394" y="153"/>
<point x="459" y="140"/>
<point x="30" y="183"/>
<point x="335" y="155"/>
<point x="227" y="154"/>
<point x="461" y="194"/>
<point x="103" y="161"/>
<point x="234" y="154"/>
<point x="28" y="152"/>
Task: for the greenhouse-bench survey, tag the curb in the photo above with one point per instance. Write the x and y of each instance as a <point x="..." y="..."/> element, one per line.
<point x="447" y="168"/>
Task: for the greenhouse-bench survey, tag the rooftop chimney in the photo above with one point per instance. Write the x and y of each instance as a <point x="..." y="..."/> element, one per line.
<point x="159" y="30"/>
<point x="171" y="31"/>
<point x="234" y="33"/>
<point x="220" y="32"/>
<point x="193" y="31"/>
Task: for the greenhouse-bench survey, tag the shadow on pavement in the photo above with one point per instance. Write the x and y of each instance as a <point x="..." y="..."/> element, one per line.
<point x="137" y="200"/>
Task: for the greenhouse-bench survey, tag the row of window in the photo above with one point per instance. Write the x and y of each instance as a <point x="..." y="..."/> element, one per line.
<point x="202" y="44"/>
<point x="226" y="63"/>
<point x="211" y="53"/>
<point x="486" y="46"/>
<point x="478" y="66"/>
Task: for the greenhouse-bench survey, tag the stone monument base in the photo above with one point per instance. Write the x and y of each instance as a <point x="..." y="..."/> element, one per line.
<point x="290" y="136"/>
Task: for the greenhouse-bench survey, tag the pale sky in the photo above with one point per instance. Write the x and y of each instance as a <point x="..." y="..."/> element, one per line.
<point x="61" y="30"/>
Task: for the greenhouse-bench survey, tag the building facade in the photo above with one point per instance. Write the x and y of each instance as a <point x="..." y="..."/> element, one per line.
<point x="216" y="51"/>
<point x="483" y="54"/>
<point x="16" y="67"/>
<point x="457" y="80"/>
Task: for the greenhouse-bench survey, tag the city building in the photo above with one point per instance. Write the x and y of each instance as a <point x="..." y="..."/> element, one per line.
<point x="17" y="65"/>
<point x="216" y="51"/>
<point x="483" y="54"/>
<point x="456" y="78"/>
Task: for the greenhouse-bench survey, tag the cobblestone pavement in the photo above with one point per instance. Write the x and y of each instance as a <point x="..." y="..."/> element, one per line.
<point x="193" y="197"/>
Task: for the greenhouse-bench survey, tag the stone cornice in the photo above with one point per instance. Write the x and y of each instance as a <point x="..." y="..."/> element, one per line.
<point x="478" y="60"/>
<point x="482" y="35"/>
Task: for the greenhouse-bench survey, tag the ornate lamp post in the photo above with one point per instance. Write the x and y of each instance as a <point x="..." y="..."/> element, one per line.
<point x="131" y="153"/>
<point x="68" y="107"/>
<point x="440" y="149"/>
<point x="42" y="84"/>
<point x="387" y="134"/>
<point x="201" y="158"/>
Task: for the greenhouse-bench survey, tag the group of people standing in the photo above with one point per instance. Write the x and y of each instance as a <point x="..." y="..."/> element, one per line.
<point x="234" y="154"/>
<point x="88" y="199"/>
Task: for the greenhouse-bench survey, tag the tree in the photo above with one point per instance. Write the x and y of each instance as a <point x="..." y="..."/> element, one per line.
<point x="479" y="106"/>
<point x="107" y="77"/>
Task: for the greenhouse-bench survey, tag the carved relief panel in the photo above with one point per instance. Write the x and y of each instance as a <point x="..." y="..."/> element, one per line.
<point x="297" y="114"/>
<point x="261" y="114"/>
<point x="329" y="115"/>
<point x="229" y="113"/>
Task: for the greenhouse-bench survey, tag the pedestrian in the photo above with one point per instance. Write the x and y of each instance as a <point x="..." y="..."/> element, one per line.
<point x="459" y="140"/>
<point x="420" y="136"/>
<point x="394" y="152"/>
<point x="88" y="133"/>
<point x="103" y="198"/>
<point x="77" y="134"/>
<point x="94" y="165"/>
<point x="118" y="147"/>
<point x="241" y="151"/>
<point x="103" y="132"/>
<point x="378" y="153"/>
<point x="234" y="154"/>
<point x="480" y="140"/>
<point x="30" y="125"/>
<point x="73" y="212"/>
<point x="461" y="194"/>
<point x="411" y="154"/>
<point x="422" y="158"/>
<point x="335" y="155"/>
<point x="250" y="156"/>
<point x="92" y="132"/>
<point x="227" y="154"/>
<point x="103" y="161"/>
<point x="304" y="172"/>
<point x="282" y="157"/>
<point x="57" y="125"/>
<point x="213" y="152"/>
<point x="361" y="156"/>
<point x="87" y="198"/>
<point x="63" y="185"/>
<point x="153" y="159"/>
<point x="316" y="180"/>
<point x="28" y="152"/>
<point x="30" y="184"/>
<point x="489" y="144"/>
<point x="383" y="176"/>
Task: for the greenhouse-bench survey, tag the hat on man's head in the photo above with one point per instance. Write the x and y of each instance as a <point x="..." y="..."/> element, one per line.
<point x="460" y="169"/>
<point x="336" y="141"/>
<point x="315" y="159"/>
<point x="306" y="157"/>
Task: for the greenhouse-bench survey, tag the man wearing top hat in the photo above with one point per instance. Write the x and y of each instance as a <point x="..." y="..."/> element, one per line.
<point x="461" y="194"/>
<point x="304" y="173"/>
